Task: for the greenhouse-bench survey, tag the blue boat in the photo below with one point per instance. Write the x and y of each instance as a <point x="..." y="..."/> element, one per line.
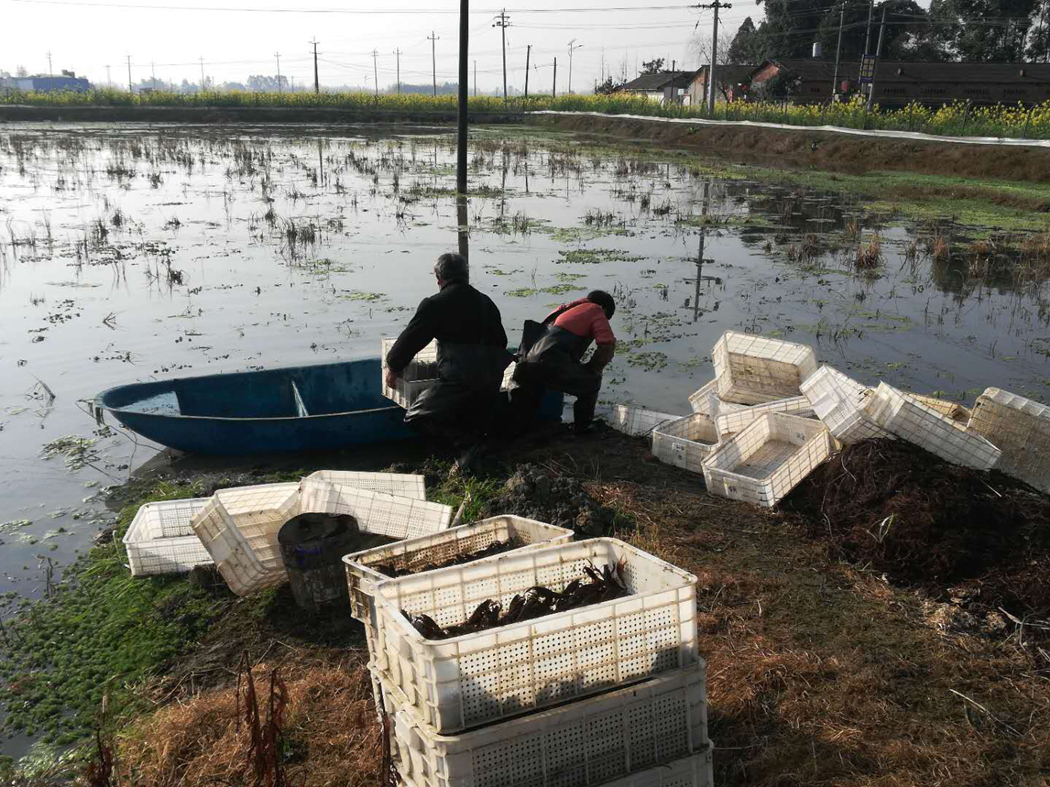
<point x="296" y="408"/>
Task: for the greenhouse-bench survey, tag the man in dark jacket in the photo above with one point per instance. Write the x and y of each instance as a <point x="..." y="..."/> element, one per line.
<point x="555" y="359"/>
<point x="472" y="356"/>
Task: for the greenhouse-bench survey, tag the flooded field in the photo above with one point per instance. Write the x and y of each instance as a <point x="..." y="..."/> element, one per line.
<point x="139" y="253"/>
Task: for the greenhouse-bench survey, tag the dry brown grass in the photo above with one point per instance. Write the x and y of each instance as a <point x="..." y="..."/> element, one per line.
<point x="330" y="732"/>
<point x="869" y="254"/>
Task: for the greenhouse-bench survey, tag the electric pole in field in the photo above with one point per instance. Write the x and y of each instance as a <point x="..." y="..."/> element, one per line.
<point x="397" y="54"/>
<point x="202" y="73"/>
<point x="375" y="69"/>
<point x="278" y="56"/>
<point x="475" y="77"/>
<point x="503" y="24"/>
<point x="317" y="82"/>
<point x="461" y="123"/>
<point x="109" y="79"/>
<point x="50" y="70"/>
<point x="878" y="53"/>
<point x="717" y="5"/>
<point x="554" y="84"/>
<point x="433" y="58"/>
<point x="571" y="50"/>
<point x="528" y="54"/>
<point x="838" y="52"/>
<point x="867" y="37"/>
<point x="153" y="74"/>
<point x="130" y="89"/>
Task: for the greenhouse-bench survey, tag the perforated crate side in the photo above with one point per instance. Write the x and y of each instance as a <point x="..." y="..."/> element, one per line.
<point x="595" y="740"/>
<point x="635" y="421"/>
<point x="953" y="410"/>
<point x="234" y="557"/>
<point x="1020" y="428"/>
<point x="397" y="484"/>
<point x="497" y="674"/>
<point x="751" y="369"/>
<point x="910" y="420"/>
<point x="418" y="376"/>
<point x="728" y="424"/>
<point x="686" y="442"/>
<point x="160" y="540"/>
<point x="838" y="401"/>
<point x="259" y="512"/>
<point x="375" y="512"/>
<point x="767" y="459"/>
<point x="431" y="550"/>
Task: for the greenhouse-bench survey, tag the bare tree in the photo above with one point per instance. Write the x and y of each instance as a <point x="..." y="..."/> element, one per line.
<point x="700" y="48"/>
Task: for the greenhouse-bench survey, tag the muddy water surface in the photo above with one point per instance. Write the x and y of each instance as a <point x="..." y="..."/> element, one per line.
<point x="132" y="253"/>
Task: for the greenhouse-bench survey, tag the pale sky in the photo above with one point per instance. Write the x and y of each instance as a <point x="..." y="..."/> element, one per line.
<point x="174" y="34"/>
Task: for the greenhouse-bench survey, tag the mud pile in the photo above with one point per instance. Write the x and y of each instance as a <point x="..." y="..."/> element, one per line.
<point x="535" y="493"/>
<point x="902" y="511"/>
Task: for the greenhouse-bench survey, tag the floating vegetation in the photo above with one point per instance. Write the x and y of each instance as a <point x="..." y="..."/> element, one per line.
<point x="358" y="295"/>
<point x="527" y="292"/>
<point x="594" y="256"/>
<point x="77" y="451"/>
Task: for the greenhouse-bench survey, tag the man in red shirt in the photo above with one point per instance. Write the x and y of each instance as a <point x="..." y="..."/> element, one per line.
<point x="555" y="359"/>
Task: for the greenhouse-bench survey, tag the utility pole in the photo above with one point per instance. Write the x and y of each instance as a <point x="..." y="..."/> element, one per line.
<point x="153" y="74"/>
<point x="838" y="52"/>
<point x="554" y="86"/>
<point x="278" y="56"/>
<point x="109" y="79"/>
<point x="397" y="54"/>
<point x="202" y="73"/>
<point x="878" y="54"/>
<point x="717" y="5"/>
<point x="528" y="53"/>
<point x="461" y="118"/>
<point x="433" y="58"/>
<point x="867" y="38"/>
<point x="571" y="50"/>
<point x="50" y="70"/>
<point x="317" y="81"/>
<point x="673" y="64"/>
<point x="130" y="89"/>
<point x="375" y="69"/>
<point x="503" y="24"/>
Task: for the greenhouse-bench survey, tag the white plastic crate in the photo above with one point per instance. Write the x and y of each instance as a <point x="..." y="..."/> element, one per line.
<point x="911" y="420"/>
<point x="838" y="401"/>
<point x="588" y="742"/>
<point x="635" y="421"/>
<point x="160" y="539"/>
<point x="375" y="512"/>
<point x="239" y="527"/>
<point x="686" y="442"/>
<point x="750" y="369"/>
<point x="418" y="376"/>
<point x="397" y="484"/>
<point x="767" y="458"/>
<point x="440" y="548"/>
<point x="955" y="411"/>
<point x="492" y="675"/>
<point x="728" y="423"/>
<point x="1021" y="429"/>
<point x="700" y="399"/>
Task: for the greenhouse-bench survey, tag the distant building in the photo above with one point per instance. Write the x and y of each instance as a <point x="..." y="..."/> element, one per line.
<point x="902" y="82"/>
<point x="67" y="82"/>
<point x="659" y="86"/>
<point x="732" y="82"/>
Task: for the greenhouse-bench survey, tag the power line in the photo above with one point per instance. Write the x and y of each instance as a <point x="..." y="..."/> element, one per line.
<point x="356" y="11"/>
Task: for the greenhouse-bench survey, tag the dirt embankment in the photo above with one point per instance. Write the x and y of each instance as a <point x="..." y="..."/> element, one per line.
<point x="822" y="149"/>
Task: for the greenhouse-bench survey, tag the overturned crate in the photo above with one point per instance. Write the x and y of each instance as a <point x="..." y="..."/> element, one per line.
<point x="635" y="421"/>
<point x="584" y="743"/>
<point x="160" y="539"/>
<point x="498" y="673"/>
<point x="909" y="419"/>
<point x="732" y="421"/>
<point x="376" y="513"/>
<point x="1020" y="428"/>
<point x="750" y="369"/>
<point x="397" y="484"/>
<point x="420" y="374"/>
<point x="419" y="554"/>
<point x="839" y="401"/>
<point x="767" y="458"/>
<point x="686" y="442"/>
<point x="953" y="410"/>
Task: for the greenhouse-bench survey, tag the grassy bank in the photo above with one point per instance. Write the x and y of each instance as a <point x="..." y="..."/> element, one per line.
<point x="821" y="669"/>
<point x="957" y="120"/>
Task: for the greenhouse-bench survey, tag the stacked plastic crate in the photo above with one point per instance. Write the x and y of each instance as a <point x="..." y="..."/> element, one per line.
<point x="610" y="693"/>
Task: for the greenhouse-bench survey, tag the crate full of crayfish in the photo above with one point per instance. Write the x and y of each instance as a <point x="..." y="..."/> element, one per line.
<point x="506" y="635"/>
